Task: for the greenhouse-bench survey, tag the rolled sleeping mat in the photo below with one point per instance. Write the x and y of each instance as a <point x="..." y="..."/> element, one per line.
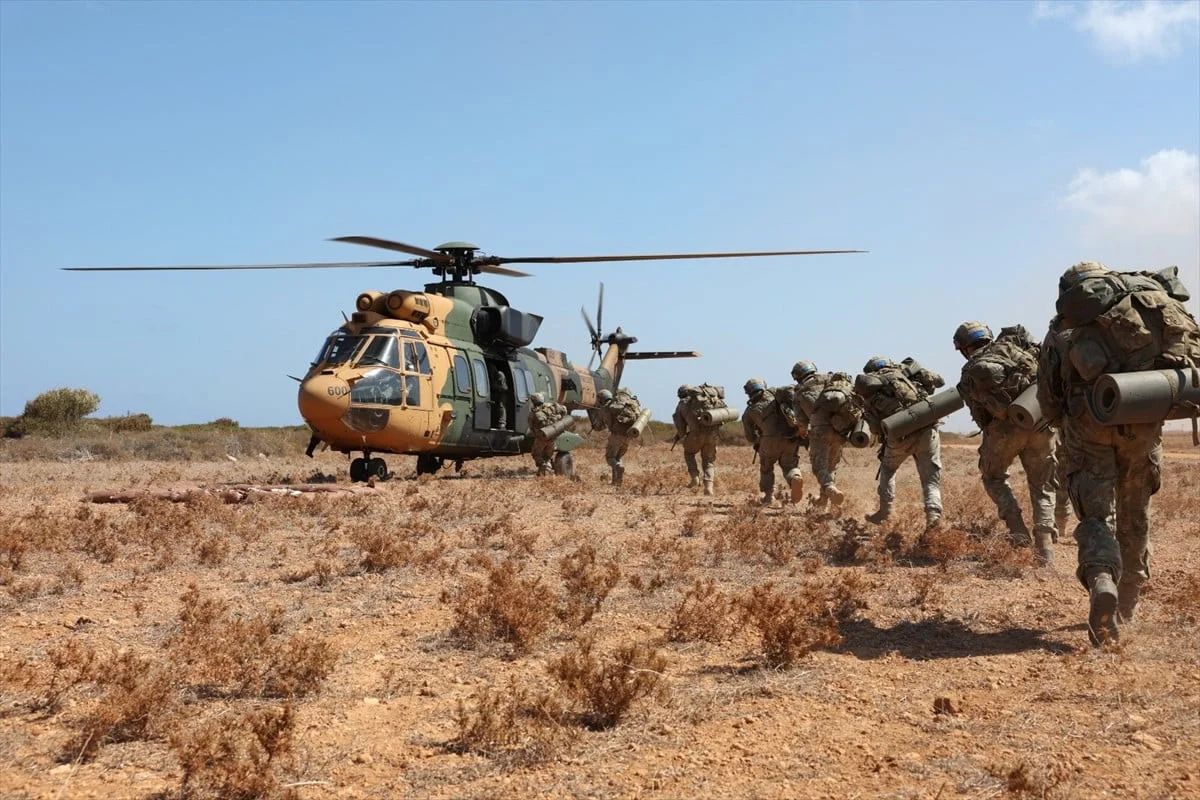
<point x="1129" y="398"/>
<point x="640" y="423"/>
<point x="922" y="414"/>
<point x="552" y="430"/>
<point x="1026" y="411"/>
<point x="860" y="434"/>
<point x="718" y="416"/>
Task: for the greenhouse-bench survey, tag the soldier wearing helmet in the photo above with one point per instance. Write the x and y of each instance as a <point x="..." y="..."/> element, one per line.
<point x="774" y="438"/>
<point x="694" y="426"/>
<point x="617" y="413"/>
<point x="996" y="372"/>
<point x="1112" y="322"/>
<point x="825" y="412"/>
<point x="883" y="389"/>
<point x="544" y="417"/>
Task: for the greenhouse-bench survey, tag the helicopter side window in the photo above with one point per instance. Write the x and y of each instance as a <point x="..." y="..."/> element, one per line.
<point x="462" y="375"/>
<point x="416" y="359"/>
<point x="519" y="384"/>
<point x="529" y="385"/>
<point x="412" y="390"/>
<point x="481" y="377"/>
<point x="382" y="351"/>
<point x="340" y="348"/>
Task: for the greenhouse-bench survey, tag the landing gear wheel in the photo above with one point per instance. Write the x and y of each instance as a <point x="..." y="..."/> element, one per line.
<point x="564" y="464"/>
<point x="427" y="465"/>
<point x="377" y="469"/>
<point x="358" y="470"/>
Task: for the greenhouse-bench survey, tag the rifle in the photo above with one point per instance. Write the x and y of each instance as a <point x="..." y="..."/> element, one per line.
<point x="755" y="456"/>
<point x="675" y="441"/>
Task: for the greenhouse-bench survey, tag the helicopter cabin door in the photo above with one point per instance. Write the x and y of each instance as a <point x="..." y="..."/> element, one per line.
<point x="418" y="384"/>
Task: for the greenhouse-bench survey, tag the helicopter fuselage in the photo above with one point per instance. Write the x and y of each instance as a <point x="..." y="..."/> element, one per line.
<point x="445" y="372"/>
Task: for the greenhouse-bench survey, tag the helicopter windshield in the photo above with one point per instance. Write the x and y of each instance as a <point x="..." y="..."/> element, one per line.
<point x="339" y="348"/>
<point x="382" y="351"/>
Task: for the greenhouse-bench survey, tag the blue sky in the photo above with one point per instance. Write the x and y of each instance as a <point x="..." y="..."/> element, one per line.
<point x="976" y="149"/>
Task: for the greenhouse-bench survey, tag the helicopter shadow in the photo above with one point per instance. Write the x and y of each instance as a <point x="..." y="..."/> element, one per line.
<point x="938" y="638"/>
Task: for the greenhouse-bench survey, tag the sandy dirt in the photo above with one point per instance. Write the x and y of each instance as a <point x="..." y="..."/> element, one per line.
<point x="962" y="671"/>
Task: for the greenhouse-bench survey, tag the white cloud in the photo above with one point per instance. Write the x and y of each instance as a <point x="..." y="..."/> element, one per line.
<point x="1130" y="31"/>
<point x="1160" y="199"/>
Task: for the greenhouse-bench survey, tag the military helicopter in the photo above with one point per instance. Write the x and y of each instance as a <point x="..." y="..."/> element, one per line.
<point x="446" y="374"/>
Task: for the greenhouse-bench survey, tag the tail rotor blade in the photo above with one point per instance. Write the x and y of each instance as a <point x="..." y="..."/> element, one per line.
<point x="588" y="321"/>
<point x="600" y="310"/>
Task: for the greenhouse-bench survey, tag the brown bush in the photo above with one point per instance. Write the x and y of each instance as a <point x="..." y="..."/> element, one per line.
<point x="605" y="688"/>
<point x="503" y="606"/>
<point x="790" y="627"/>
<point x="138" y="703"/>
<point x="236" y="756"/>
<point x="586" y="584"/>
<point x="704" y="614"/>
<point x="510" y="725"/>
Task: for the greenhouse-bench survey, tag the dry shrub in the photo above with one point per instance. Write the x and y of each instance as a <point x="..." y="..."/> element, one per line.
<point x="1179" y="596"/>
<point x="70" y="664"/>
<point x="381" y="550"/>
<point x="928" y="590"/>
<point x="512" y="726"/>
<point x="246" y="657"/>
<point x="586" y="584"/>
<point x="577" y="506"/>
<point x="704" y="614"/>
<point x="236" y="756"/>
<point x="503" y="606"/>
<point x="138" y="703"/>
<point x="605" y="688"/>
<point x="648" y="585"/>
<point x="1024" y="782"/>
<point x="791" y="627"/>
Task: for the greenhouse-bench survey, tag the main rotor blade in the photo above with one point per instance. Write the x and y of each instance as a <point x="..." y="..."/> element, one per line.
<point x="660" y="257"/>
<point x="512" y="273"/>
<point x="662" y="354"/>
<point x="600" y="309"/>
<point x="388" y="244"/>
<point x="330" y="265"/>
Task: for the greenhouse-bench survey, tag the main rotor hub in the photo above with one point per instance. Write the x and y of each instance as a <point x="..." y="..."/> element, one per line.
<point x="463" y="264"/>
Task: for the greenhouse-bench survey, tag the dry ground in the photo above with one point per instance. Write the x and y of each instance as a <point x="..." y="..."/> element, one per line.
<point x="491" y="634"/>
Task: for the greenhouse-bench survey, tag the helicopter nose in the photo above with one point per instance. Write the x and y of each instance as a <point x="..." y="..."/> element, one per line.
<point x="324" y="399"/>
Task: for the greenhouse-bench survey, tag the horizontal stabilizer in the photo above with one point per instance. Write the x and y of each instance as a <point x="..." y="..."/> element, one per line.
<point x="662" y="354"/>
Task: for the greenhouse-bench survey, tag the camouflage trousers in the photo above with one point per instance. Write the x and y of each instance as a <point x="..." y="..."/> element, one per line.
<point x="704" y="444"/>
<point x="1003" y="442"/>
<point x="1112" y="471"/>
<point x="824" y="453"/>
<point x="774" y="450"/>
<point x="543" y="454"/>
<point x="924" y="447"/>
<point x="1062" y="501"/>
<point x="618" y="445"/>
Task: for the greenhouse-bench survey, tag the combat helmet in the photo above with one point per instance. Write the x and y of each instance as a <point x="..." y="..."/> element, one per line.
<point x="876" y="363"/>
<point x="754" y="386"/>
<point x="604" y="396"/>
<point x="685" y="390"/>
<point x="537" y="398"/>
<point x="971" y="334"/>
<point x="802" y="368"/>
<point x="1077" y="273"/>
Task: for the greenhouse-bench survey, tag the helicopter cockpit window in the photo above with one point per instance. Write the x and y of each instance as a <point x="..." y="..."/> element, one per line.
<point x="462" y="375"/>
<point x="382" y="351"/>
<point x="481" y="378"/>
<point x="416" y="359"/>
<point x="339" y="348"/>
<point x="379" y="387"/>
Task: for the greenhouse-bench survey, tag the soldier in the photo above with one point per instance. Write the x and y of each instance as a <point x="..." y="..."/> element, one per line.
<point x="826" y="412"/>
<point x="544" y="415"/>
<point x="998" y="369"/>
<point x="618" y="414"/>
<point x="885" y="388"/>
<point x="499" y="396"/>
<point x="774" y="439"/>
<point x="1112" y="322"/>
<point x="698" y="436"/>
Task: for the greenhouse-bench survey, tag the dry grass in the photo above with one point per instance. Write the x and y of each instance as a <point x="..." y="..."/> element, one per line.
<point x="502" y="606"/>
<point x="604" y="687"/>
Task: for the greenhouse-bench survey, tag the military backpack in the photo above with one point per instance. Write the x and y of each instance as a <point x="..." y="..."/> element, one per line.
<point x="625" y="408"/>
<point x="836" y="399"/>
<point x="997" y="374"/>
<point x="705" y="398"/>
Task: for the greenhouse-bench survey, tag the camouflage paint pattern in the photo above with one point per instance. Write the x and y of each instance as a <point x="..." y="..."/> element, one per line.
<point x="824" y="454"/>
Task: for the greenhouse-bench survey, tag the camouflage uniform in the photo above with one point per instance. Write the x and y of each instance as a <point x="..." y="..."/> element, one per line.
<point x="697" y="439"/>
<point x="774" y="439"/>
<point x="880" y="390"/>
<point x="1112" y="470"/>
<point x="996" y="372"/>
<point x="545" y="414"/>
<point x="816" y="421"/>
<point x="619" y="436"/>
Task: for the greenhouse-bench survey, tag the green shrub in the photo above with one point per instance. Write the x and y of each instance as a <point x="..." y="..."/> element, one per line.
<point x="59" y="410"/>
<point x="126" y="424"/>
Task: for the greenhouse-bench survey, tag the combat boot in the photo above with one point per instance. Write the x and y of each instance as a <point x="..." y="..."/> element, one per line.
<point x="708" y="489"/>
<point x="882" y="515"/>
<point x="933" y="519"/>
<point x="1043" y="548"/>
<point x="1018" y="531"/>
<point x="797" y="489"/>
<point x="836" y="498"/>
<point x="1127" y="600"/>
<point x="618" y="474"/>
<point x="1102" y="599"/>
<point x="766" y="499"/>
<point x="694" y="482"/>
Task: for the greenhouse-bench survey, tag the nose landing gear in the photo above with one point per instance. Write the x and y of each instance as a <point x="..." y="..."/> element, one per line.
<point x="365" y="468"/>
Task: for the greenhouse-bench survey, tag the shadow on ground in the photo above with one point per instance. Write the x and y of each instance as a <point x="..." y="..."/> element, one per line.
<point x="941" y="638"/>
